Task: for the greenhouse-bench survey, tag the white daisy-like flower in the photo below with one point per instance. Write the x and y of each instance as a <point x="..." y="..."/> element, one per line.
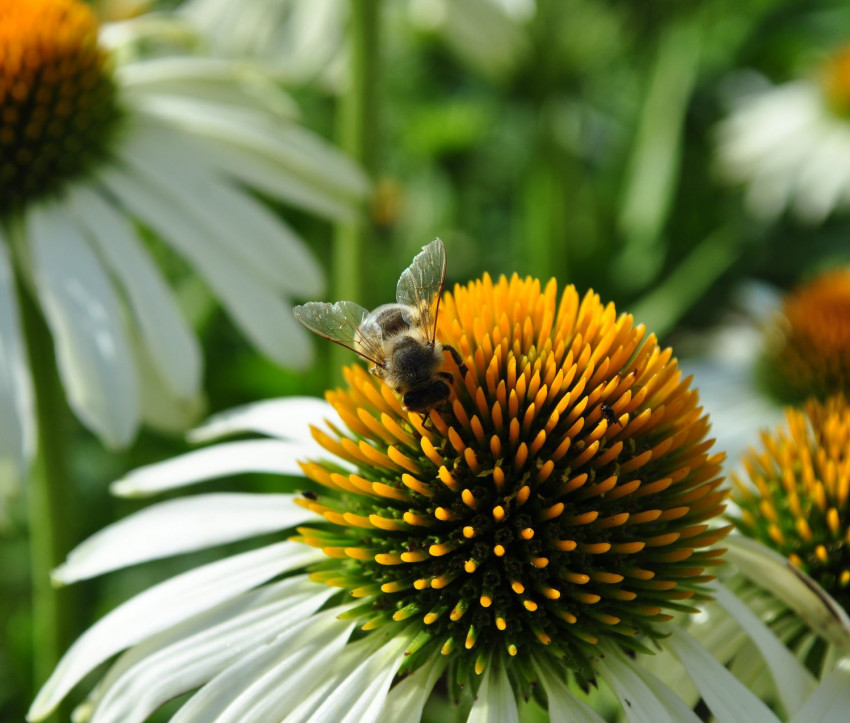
<point x="790" y="144"/>
<point x="531" y="539"/>
<point x="97" y="150"/>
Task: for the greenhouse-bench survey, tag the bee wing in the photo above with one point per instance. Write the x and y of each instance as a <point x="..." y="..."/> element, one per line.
<point x="342" y="323"/>
<point x="422" y="282"/>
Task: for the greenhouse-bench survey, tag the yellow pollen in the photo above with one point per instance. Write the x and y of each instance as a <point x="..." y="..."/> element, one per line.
<point x="469" y="532"/>
<point x="539" y="562"/>
<point x="527" y="533"/>
<point x="501" y="623"/>
<point x="529" y="605"/>
<point x="469" y="499"/>
<point x="486" y="601"/>
<point x="518" y="587"/>
<point x="470" y="566"/>
<point x="499" y="551"/>
<point x="523" y="494"/>
<point x="512" y="650"/>
<point x="498" y="513"/>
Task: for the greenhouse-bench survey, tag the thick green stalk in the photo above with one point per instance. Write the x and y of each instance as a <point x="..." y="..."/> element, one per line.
<point x="357" y="136"/>
<point x="47" y="487"/>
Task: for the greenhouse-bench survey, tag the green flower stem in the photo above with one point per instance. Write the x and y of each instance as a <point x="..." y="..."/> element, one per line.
<point x="357" y="137"/>
<point x="47" y="490"/>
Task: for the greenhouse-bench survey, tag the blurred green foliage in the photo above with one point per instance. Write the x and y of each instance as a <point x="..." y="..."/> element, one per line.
<point x="588" y="157"/>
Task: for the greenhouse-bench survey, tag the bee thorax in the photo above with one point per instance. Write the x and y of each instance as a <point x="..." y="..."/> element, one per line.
<point x="412" y="361"/>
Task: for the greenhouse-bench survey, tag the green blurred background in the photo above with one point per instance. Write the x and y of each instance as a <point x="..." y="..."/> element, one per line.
<point x="578" y="145"/>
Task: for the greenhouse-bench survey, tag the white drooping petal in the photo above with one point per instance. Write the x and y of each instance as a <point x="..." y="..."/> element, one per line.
<point x="230" y="218"/>
<point x="17" y="411"/>
<point x="169" y="340"/>
<point x="178" y="526"/>
<point x="262" y="173"/>
<point x="643" y="697"/>
<point x="254" y="455"/>
<point x="293" y="149"/>
<point x="268" y="683"/>
<point x="357" y="688"/>
<point x="793" y="682"/>
<point x="286" y="418"/>
<point x="495" y="702"/>
<point x="83" y="313"/>
<point x="564" y="707"/>
<point x="776" y="574"/>
<point x="257" y="310"/>
<point x="406" y="700"/>
<point x="163" y="605"/>
<point x="726" y="697"/>
<point x="189" y="655"/>
<point x="830" y="703"/>
<point x="223" y="82"/>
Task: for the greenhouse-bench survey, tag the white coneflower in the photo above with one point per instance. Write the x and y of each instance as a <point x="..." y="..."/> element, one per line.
<point x="96" y="151"/>
<point x="790" y="144"/>
<point x="533" y="538"/>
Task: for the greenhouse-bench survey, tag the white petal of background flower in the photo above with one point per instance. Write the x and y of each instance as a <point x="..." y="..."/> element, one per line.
<point x="169" y="340"/>
<point x="166" y="604"/>
<point x="268" y="682"/>
<point x="258" y="311"/>
<point x="188" y="655"/>
<point x="830" y="703"/>
<point x="795" y="588"/>
<point x="793" y="682"/>
<point x="178" y="526"/>
<point x="240" y="226"/>
<point x="495" y="702"/>
<point x="564" y="707"/>
<point x="227" y="84"/>
<point x="727" y="698"/>
<point x="83" y="313"/>
<point x="287" y="418"/>
<point x="17" y="412"/>
<point x="407" y="699"/>
<point x="253" y="455"/>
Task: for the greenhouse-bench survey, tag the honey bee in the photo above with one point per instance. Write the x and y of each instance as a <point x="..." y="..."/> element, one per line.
<point x="398" y="339"/>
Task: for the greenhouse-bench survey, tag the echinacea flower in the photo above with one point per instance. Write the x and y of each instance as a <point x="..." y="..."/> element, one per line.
<point x="98" y="150"/>
<point x="790" y="144"/>
<point x="534" y="535"/>
<point x="794" y="499"/>
<point x="781" y="349"/>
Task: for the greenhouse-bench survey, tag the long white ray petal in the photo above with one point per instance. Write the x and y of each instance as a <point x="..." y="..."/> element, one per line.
<point x="406" y="700"/>
<point x="178" y="526"/>
<point x="286" y="418"/>
<point x="254" y="455"/>
<point x="189" y="655"/>
<point x="643" y="697"/>
<point x="495" y="702"/>
<point x="263" y="174"/>
<point x="177" y="163"/>
<point x="166" y="604"/>
<point x="17" y="411"/>
<point x="795" y="588"/>
<point x="793" y="682"/>
<point x="564" y="707"/>
<point x="830" y="703"/>
<point x="267" y="684"/>
<point x="223" y="82"/>
<point x="259" y="312"/>
<point x="357" y="692"/>
<point x="292" y="148"/>
<point x="82" y="311"/>
<point x="726" y="697"/>
<point x="171" y="343"/>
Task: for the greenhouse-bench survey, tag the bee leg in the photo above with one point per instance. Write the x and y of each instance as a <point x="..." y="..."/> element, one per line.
<point x="445" y="375"/>
<point x="457" y="357"/>
<point x="377" y="370"/>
